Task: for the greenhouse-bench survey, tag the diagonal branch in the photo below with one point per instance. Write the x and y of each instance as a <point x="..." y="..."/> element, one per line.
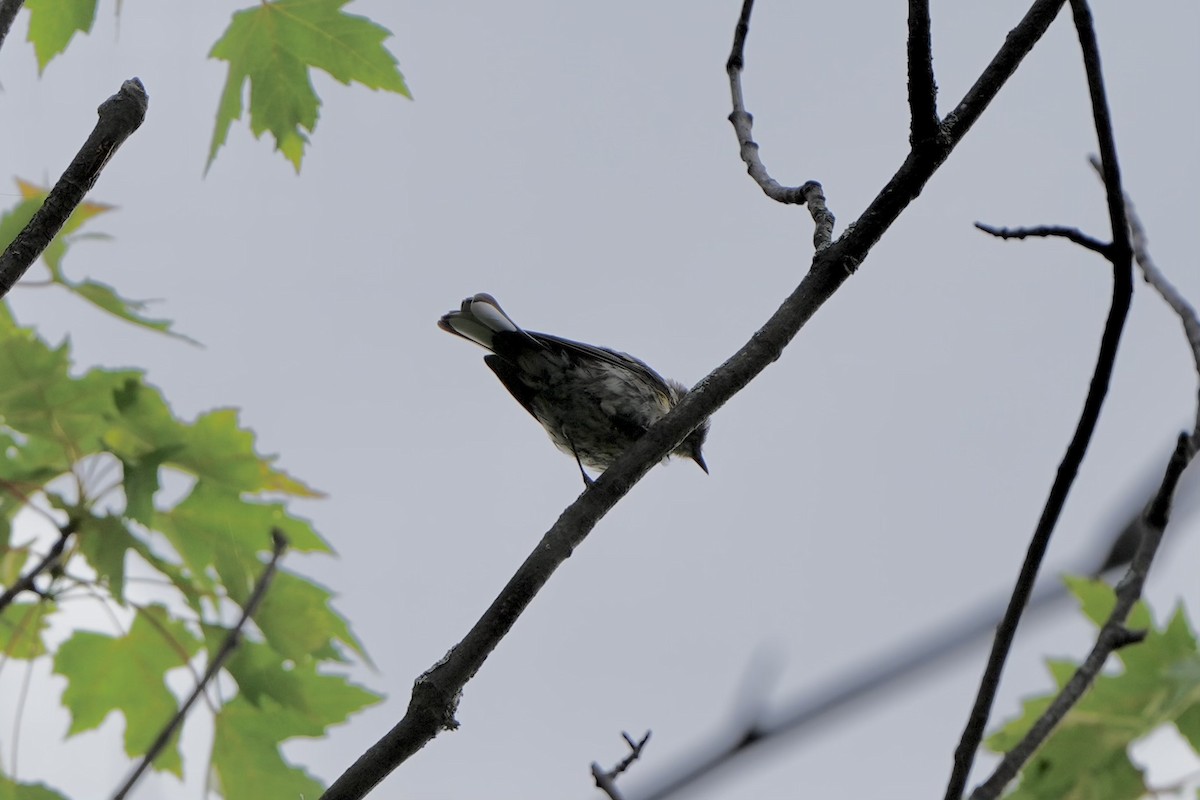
<point x="436" y="692"/>
<point x="279" y="544"/>
<point x="1120" y="256"/>
<point x="8" y="13"/>
<point x="606" y="779"/>
<point x="1113" y="634"/>
<point x="922" y="88"/>
<point x="120" y="115"/>
<point x="25" y="583"/>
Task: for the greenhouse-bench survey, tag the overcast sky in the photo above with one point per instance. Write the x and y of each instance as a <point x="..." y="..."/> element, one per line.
<point x="575" y="161"/>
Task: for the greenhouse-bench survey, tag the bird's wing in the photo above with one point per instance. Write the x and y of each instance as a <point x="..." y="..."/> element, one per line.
<point x="622" y="360"/>
<point x="510" y="375"/>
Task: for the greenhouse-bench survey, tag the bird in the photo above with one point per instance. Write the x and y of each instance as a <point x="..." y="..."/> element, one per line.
<point x="594" y="402"/>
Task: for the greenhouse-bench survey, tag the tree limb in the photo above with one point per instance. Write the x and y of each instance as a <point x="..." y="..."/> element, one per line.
<point x="232" y="640"/>
<point x="8" y="13"/>
<point x="922" y="88"/>
<point x="120" y="115"/>
<point x="1120" y="256"/>
<point x="25" y="583"/>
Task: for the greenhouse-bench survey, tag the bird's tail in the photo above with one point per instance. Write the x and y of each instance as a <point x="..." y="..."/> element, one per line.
<point x="479" y="319"/>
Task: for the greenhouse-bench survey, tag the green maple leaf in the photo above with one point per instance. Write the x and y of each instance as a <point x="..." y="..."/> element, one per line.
<point x="22" y="628"/>
<point x="274" y="46"/>
<point x="245" y="757"/>
<point x="104" y="542"/>
<point x="133" y="669"/>
<point x="95" y="292"/>
<point x="1087" y="755"/>
<point x="52" y="24"/>
<point x="297" y="620"/>
<point x="214" y="529"/>
<point x="11" y="790"/>
<point x="214" y="448"/>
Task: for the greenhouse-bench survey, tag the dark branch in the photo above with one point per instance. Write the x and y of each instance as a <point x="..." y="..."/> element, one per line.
<point x="279" y="544"/>
<point x="436" y="692"/>
<point x="1120" y="256"/>
<point x="25" y="583"/>
<point x="120" y="115"/>
<point x="1048" y="231"/>
<point x="8" y="12"/>
<point x="606" y="780"/>
<point x="1113" y="634"/>
<point x="922" y="88"/>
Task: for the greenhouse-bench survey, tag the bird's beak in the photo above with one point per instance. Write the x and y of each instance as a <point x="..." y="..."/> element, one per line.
<point x="699" y="459"/>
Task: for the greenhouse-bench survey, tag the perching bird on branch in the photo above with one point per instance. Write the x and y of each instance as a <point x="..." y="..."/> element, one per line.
<point x="594" y="402"/>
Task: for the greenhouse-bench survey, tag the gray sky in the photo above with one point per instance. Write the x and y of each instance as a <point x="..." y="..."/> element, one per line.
<point x="575" y="161"/>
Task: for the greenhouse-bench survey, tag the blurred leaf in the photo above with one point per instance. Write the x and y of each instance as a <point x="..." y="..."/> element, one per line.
<point x="97" y="293"/>
<point x="104" y="541"/>
<point x="274" y="45"/>
<point x="213" y="448"/>
<point x="22" y="628"/>
<point x="11" y="790"/>
<point x="52" y="23"/>
<point x="133" y="669"/>
<point x="12" y="563"/>
<point x="106" y="298"/>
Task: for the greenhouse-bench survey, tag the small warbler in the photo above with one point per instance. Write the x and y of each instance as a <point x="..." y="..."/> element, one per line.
<point x="594" y="402"/>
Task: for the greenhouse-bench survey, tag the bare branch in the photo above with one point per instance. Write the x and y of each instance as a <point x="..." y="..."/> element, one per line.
<point x="1048" y="231"/>
<point x="232" y="640"/>
<point x="606" y="780"/>
<point x="25" y="583"/>
<point x="1113" y="634"/>
<point x="922" y="88"/>
<point x="120" y="115"/>
<point x="8" y="13"/>
<point x="1120" y="256"/>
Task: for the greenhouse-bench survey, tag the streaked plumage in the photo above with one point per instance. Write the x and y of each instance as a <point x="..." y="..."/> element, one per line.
<point x="594" y="402"/>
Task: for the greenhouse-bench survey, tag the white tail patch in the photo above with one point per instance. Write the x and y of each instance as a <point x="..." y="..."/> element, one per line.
<point x="485" y="309"/>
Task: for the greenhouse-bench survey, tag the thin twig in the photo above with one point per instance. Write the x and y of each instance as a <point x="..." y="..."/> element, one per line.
<point x="216" y="662"/>
<point x="1120" y="256"/>
<point x="1048" y="231"/>
<point x="1154" y="276"/>
<point x="436" y="693"/>
<point x="8" y="12"/>
<point x="1113" y="634"/>
<point x="743" y="121"/>
<point x="922" y="88"/>
<point x="606" y="780"/>
<point x="25" y="583"/>
<point x="120" y="115"/>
